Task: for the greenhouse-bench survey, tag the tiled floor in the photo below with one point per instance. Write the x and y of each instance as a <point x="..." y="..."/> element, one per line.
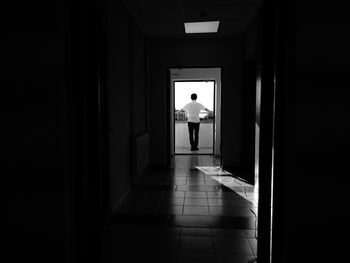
<point x="187" y="150"/>
<point x="185" y="215"/>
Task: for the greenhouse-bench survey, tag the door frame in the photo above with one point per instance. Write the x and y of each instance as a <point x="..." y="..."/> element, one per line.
<point x="217" y="104"/>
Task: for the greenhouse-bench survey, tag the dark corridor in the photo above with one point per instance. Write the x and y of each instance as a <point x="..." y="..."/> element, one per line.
<point x="83" y="82"/>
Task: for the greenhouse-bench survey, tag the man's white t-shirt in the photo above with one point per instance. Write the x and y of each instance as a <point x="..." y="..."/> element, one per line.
<point x="193" y="109"/>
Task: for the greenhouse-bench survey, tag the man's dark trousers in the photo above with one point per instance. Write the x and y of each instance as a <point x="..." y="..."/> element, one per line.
<point x="193" y="127"/>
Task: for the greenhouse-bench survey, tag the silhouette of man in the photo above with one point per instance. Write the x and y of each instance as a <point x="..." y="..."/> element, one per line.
<point x="193" y="109"/>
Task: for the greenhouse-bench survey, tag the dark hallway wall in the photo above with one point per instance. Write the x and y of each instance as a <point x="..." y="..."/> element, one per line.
<point x="251" y="53"/>
<point x="196" y="53"/>
<point x="312" y="179"/>
<point x="126" y="93"/>
<point x="33" y="58"/>
<point x="139" y="81"/>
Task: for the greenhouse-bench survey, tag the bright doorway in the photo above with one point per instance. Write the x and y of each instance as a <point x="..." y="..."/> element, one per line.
<point x="206" y="83"/>
<point x="182" y="95"/>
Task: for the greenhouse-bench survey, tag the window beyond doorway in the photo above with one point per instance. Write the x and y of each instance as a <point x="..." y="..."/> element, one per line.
<point x="205" y="90"/>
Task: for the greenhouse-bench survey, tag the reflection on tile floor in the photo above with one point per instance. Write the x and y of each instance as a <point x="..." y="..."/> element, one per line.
<point x="185" y="215"/>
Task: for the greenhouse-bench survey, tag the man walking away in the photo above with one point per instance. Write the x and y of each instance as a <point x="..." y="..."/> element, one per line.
<point x="193" y="109"/>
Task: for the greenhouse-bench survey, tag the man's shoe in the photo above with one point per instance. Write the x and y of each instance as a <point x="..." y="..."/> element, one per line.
<point x="195" y="149"/>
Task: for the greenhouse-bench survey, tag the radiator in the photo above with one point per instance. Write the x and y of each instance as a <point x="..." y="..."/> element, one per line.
<point x="140" y="154"/>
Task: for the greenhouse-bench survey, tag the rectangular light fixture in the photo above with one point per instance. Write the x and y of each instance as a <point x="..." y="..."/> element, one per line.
<point x="202" y="27"/>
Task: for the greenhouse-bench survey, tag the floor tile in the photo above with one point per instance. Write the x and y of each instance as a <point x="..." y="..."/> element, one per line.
<point x="136" y="209"/>
<point x="196" y="231"/>
<point x="242" y="203"/>
<point x="174" y="194"/>
<point x="157" y="230"/>
<point x="212" y="183"/>
<point x="143" y="256"/>
<point x="194" y="172"/>
<point x="173" y="201"/>
<point x="195" y="183"/>
<point x="164" y="243"/>
<point x="139" y="220"/>
<point x="196" y="244"/>
<point x="196" y="210"/>
<point x="221" y="195"/>
<point x="195" y="178"/>
<point x="225" y="258"/>
<point x="233" y="222"/>
<point x="196" y="201"/>
<point x="211" y="188"/>
<point x="162" y="257"/>
<point x="180" y="177"/>
<point x="230" y="202"/>
<point x="218" y="202"/>
<point x="230" y="233"/>
<point x="181" y="182"/>
<point x="190" y="221"/>
<point x="196" y="257"/>
<point x="193" y="188"/>
<point x="230" y="211"/>
<point x="169" y="209"/>
<point x="177" y="179"/>
<point x="232" y="246"/>
<point x="192" y="194"/>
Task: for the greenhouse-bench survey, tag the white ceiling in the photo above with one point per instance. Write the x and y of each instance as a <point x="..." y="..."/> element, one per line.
<point x="165" y="18"/>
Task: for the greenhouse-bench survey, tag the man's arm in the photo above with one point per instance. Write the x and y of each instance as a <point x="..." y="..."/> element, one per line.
<point x="206" y="109"/>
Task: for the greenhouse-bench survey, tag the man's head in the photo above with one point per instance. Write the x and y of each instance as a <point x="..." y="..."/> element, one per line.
<point x="193" y="96"/>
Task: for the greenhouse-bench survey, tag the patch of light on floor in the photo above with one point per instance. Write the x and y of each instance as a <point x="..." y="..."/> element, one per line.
<point x="212" y="170"/>
<point x="226" y="178"/>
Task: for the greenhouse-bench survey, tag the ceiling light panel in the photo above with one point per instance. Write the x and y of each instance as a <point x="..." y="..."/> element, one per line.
<point x="202" y="27"/>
